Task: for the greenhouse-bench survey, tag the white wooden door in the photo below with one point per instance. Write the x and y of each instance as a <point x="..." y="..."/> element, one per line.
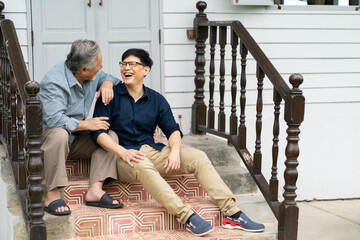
<point x="128" y="24"/>
<point x="115" y="24"/>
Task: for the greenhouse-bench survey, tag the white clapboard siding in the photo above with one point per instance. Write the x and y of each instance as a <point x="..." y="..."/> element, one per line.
<point x="14" y="6"/>
<point x="16" y="11"/>
<point x="285" y="36"/>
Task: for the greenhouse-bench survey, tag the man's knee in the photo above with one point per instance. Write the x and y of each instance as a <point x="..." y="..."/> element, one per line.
<point x="57" y="136"/>
<point x="143" y="167"/>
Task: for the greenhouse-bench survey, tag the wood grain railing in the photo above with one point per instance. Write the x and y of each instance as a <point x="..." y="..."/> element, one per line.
<point x="21" y="127"/>
<point x="203" y="115"/>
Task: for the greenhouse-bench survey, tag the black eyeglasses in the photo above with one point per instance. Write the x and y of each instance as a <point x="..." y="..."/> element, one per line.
<point x="131" y="64"/>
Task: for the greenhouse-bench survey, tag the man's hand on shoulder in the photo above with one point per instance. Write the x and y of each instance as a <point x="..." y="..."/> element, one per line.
<point x="106" y="91"/>
<point x="93" y="124"/>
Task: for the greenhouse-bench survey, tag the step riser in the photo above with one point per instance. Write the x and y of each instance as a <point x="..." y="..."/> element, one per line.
<point x="78" y="167"/>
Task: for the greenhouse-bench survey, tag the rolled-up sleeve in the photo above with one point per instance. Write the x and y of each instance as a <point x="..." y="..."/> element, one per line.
<point x="54" y="99"/>
<point x="166" y="119"/>
<point x="101" y="111"/>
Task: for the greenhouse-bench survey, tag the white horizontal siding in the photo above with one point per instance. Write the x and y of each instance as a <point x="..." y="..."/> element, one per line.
<point x="16" y="11"/>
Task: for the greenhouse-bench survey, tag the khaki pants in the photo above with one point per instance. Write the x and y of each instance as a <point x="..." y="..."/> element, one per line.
<point x="150" y="173"/>
<point x="56" y="150"/>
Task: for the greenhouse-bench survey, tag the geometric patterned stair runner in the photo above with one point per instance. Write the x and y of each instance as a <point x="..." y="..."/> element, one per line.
<point x="142" y="217"/>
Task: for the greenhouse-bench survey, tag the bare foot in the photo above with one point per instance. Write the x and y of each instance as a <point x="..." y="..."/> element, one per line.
<point x="95" y="192"/>
<point x="52" y="196"/>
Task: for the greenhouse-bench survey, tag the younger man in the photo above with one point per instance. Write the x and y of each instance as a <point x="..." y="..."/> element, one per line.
<point x="133" y="115"/>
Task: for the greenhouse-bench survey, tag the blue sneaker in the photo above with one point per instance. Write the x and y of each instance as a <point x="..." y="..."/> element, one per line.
<point x="243" y="223"/>
<point x="198" y="226"/>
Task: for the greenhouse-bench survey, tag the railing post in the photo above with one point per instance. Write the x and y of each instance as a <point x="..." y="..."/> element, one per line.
<point x="242" y="126"/>
<point x="198" y="116"/>
<point x="259" y="108"/>
<point x="211" y="111"/>
<point x="13" y="132"/>
<point x="233" y="117"/>
<point x="274" y="182"/>
<point x="33" y="113"/>
<point x="2" y="17"/>
<point x="294" y="115"/>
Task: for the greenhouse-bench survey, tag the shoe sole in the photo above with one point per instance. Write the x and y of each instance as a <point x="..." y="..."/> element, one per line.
<point x="201" y="234"/>
<point x="237" y="226"/>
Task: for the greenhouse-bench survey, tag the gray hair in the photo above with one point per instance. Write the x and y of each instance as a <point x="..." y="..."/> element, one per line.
<point x="82" y="54"/>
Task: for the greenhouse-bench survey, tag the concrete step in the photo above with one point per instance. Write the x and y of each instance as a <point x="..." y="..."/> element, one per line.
<point x="237" y="179"/>
<point x="12" y="224"/>
<point x="219" y="153"/>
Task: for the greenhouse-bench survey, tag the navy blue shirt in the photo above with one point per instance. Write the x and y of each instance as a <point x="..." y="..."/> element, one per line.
<point x="135" y="122"/>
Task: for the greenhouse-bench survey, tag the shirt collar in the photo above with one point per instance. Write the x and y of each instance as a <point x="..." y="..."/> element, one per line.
<point x="70" y="77"/>
<point x="123" y="90"/>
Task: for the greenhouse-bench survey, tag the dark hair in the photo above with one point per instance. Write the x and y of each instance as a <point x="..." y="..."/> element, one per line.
<point x="82" y="54"/>
<point x="142" y="54"/>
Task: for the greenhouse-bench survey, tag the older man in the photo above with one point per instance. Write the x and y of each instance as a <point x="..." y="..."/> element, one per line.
<point x="66" y="93"/>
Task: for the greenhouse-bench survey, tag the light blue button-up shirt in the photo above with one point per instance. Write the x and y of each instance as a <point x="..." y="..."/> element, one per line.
<point x="64" y="100"/>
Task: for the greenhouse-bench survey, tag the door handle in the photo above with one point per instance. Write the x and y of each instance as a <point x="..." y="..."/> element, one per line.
<point x="101" y="3"/>
<point x="89" y="3"/>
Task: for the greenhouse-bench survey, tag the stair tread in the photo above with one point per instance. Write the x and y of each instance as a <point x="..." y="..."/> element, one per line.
<point x="183" y="185"/>
<point x="181" y="234"/>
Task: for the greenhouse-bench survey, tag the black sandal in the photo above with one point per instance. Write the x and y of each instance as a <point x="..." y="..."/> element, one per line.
<point x="51" y="208"/>
<point x="105" y="202"/>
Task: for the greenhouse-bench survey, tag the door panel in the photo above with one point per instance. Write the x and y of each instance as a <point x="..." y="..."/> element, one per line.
<point x="55" y="28"/>
<point x="116" y="25"/>
<point x="130" y="24"/>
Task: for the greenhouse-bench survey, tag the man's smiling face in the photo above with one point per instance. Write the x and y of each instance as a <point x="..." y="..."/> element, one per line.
<point x="133" y="75"/>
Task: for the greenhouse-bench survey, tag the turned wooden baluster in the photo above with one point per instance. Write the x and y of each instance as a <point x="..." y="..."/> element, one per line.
<point x="259" y="107"/>
<point x="33" y="113"/>
<point x="242" y="127"/>
<point x="274" y="182"/>
<point x="198" y="115"/>
<point x="13" y="126"/>
<point x="7" y="103"/>
<point x="2" y="6"/>
<point x="221" y="114"/>
<point x="20" y="135"/>
<point x="294" y="115"/>
<point x="233" y="116"/>
<point x="211" y="111"/>
<point x="2" y="86"/>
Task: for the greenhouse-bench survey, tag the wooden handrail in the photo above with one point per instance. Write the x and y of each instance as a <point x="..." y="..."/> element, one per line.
<point x="260" y="57"/>
<point x="286" y="211"/>
<point x="15" y="56"/>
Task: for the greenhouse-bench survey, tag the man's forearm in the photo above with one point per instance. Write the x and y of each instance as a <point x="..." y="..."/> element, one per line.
<point x="175" y="141"/>
<point x="107" y="143"/>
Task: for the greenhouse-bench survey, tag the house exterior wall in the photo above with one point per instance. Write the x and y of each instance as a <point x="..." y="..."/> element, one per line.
<point x="320" y="42"/>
